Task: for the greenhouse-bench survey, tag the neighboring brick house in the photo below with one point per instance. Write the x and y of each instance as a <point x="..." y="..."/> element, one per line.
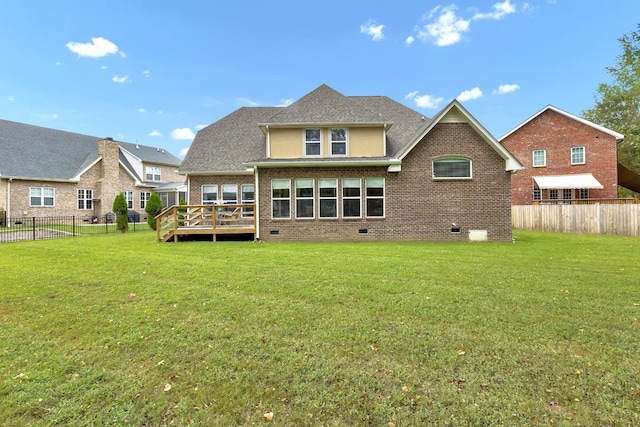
<point x="47" y="172"/>
<point x="566" y="158"/>
<point x="332" y="167"/>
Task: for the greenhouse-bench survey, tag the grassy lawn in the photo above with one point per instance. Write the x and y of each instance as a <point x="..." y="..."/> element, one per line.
<point x="121" y="330"/>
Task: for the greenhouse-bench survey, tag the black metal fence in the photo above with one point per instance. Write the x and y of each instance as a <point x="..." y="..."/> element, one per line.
<point x="39" y="228"/>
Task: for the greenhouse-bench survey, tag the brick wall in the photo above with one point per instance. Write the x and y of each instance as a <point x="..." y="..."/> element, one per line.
<point x="557" y="133"/>
<point x="196" y="183"/>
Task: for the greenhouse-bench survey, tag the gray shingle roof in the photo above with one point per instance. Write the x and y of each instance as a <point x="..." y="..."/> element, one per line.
<point x="226" y="144"/>
<point x="34" y="152"/>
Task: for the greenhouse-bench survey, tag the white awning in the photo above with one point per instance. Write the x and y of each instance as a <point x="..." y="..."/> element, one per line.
<point x="559" y="182"/>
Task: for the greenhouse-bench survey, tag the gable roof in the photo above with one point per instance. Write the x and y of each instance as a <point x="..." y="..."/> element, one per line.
<point x="33" y="152"/>
<point x="616" y="135"/>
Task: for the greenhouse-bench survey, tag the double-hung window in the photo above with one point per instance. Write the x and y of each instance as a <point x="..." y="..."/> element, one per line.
<point x="281" y="198"/>
<point x="374" y="193"/>
<point x="209" y="194"/>
<point x="85" y="199"/>
<point x="537" y="193"/>
<point x="304" y="198"/>
<point x="539" y="158"/>
<point x="312" y="141"/>
<point x="152" y="173"/>
<point x="584" y="193"/>
<point x="338" y="142"/>
<point x="229" y="194"/>
<point x="328" y="197"/>
<point x="567" y="194"/>
<point x="351" y="198"/>
<point x="577" y="155"/>
<point x="128" y="196"/>
<point x="42" y="196"/>
<point x="247" y="194"/>
<point x="452" y="168"/>
<point x="144" y="198"/>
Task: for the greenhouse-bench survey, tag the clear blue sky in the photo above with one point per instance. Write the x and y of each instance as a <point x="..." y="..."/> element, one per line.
<point x="155" y="72"/>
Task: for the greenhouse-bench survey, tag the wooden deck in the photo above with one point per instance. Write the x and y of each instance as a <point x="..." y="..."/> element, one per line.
<point x="213" y="220"/>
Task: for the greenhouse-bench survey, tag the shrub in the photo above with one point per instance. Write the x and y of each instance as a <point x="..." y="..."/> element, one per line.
<point x="120" y="209"/>
<point x="153" y="208"/>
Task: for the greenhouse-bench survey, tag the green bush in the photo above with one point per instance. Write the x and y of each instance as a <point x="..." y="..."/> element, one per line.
<point x="153" y="208"/>
<point x="120" y="209"/>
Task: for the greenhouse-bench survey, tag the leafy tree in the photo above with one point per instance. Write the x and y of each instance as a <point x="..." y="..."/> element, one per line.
<point x="153" y="208"/>
<point x="120" y="209"/>
<point x="618" y="103"/>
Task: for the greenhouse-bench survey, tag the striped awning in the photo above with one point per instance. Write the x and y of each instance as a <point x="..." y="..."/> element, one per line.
<point x="559" y="182"/>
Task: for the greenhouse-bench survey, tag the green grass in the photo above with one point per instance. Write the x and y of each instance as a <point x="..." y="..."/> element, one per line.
<point x="544" y="331"/>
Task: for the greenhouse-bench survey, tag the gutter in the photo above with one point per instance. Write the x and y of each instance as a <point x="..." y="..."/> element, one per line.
<point x="394" y="165"/>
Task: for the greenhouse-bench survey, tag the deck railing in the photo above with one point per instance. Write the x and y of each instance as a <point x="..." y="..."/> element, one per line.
<point x="626" y="201"/>
<point x="182" y="220"/>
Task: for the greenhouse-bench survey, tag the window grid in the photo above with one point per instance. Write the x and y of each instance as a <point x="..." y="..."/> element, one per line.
<point x="537" y="193"/>
<point x="577" y="155"/>
<point x="153" y="173"/>
<point x="144" y="198"/>
<point x="584" y="193"/>
<point x="539" y="158"/>
<point x="85" y="199"/>
<point x="42" y="196"/>
<point x="128" y="196"/>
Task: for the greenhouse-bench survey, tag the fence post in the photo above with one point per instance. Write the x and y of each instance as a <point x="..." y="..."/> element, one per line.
<point x="33" y="227"/>
<point x="73" y="226"/>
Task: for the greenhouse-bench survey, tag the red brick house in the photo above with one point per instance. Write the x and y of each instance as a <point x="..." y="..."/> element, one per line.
<point x="331" y="167"/>
<point x="566" y="158"/>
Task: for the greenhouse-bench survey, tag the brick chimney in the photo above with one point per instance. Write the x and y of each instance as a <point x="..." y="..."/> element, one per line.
<point x="109" y="183"/>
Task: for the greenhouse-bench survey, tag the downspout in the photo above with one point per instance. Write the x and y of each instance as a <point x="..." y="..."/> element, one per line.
<point x="257" y="202"/>
<point x="8" y="212"/>
<point x="268" y="143"/>
<point x="189" y="190"/>
<point x="384" y="139"/>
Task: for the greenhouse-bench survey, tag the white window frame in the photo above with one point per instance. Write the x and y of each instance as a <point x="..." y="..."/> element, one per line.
<point x="584" y="193"/>
<point x="280" y="184"/>
<point x="537" y="193"/>
<point x="335" y="142"/>
<point x="303" y="198"/>
<point x="536" y="159"/>
<point x="225" y="191"/>
<point x="374" y="183"/>
<point x="128" y="196"/>
<point x="144" y="199"/>
<point x="245" y="190"/>
<point x="578" y="151"/>
<point x="44" y="194"/>
<point x="553" y="194"/>
<point x="328" y="197"/>
<point x="451" y="160"/>
<point x="85" y="199"/>
<point x="567" y="194"/>
<point x="350" y="183"/>
<point x="312" y="142"/>
<point x="153" y="173"/>
<point x="209" y="187"/>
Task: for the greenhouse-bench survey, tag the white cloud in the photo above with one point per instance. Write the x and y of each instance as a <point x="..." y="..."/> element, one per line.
<point x="141" y="110"/>
<point x="469" y="95"/>
<point x="199" y="127"/>
<point x="184" y="151"/>
<point x="11" y="99"/>
<point x="104" y="67"/>
<point x="409" y="41"/>
<point x="118" y="79"/>
<point x="154" y="133"/>
<point x="508" y="88"/>
<point x="499" y="11"/>
<point x="447" y="29"/>
<point x="285" y="102"/>
<point x="248" y="102"/>
<point x="97" y="48"/>
<point x="375" y="31"/>
<point x="58" y="63"/>
<point x="424" y="101"/>
<point x="146" y="73"/>
<point x="182" y="133"/>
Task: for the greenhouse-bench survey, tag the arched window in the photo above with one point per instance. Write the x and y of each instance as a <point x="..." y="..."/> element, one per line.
<point x="452" y="168"/>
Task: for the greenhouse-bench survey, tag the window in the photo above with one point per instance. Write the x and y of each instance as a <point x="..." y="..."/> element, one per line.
<point x="42" y="196"/>
<point x="584" y="193"/>
<point x="144" y="198"/>
<point x="567" y="194"/>
<point x="539" y="158"/>
<point x="338" y="142"/>
<point x="452" y="168"/>
<point x="128" y="196"/>
<point x="312" y="142"/>
<point x="553" y="194"/>
<point x="351" y="199"/>
<point x="85" y="199"/>
<point x="577" y="155"/>
<point x="328" y="197"/>
<point x="247" y="194"/>
<point x="229" y="194"/>
<point x="537" y="194"/>
<point x="152" y="173"/>
<point x="304" y="198"/>
<point x="209" y="194"/>
<point x="374" y="193"/>
<point x="280" y="198"/>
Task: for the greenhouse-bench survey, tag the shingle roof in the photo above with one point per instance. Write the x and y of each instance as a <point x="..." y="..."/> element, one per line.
<point x="34" y="152"/>
<point x="226" y="144"/>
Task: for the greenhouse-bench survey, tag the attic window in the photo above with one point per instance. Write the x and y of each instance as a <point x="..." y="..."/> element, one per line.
<point x="152" y="173"/>
<point x="338" y="142"/>
<point x="452" y="168"/>
<point x="312" y="142"/>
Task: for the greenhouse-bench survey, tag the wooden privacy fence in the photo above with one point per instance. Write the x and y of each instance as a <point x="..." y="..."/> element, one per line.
<point x="619" y="219"/>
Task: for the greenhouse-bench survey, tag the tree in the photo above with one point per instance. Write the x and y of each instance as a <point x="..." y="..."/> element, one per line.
<point x="153" y="209"/>
<point x="120" y="209"/>
<point x="618" y="103"/>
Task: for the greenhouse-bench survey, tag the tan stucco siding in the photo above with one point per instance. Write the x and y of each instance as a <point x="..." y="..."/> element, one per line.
<point x="366" y="142"/>
<point x="286" y="143"/>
